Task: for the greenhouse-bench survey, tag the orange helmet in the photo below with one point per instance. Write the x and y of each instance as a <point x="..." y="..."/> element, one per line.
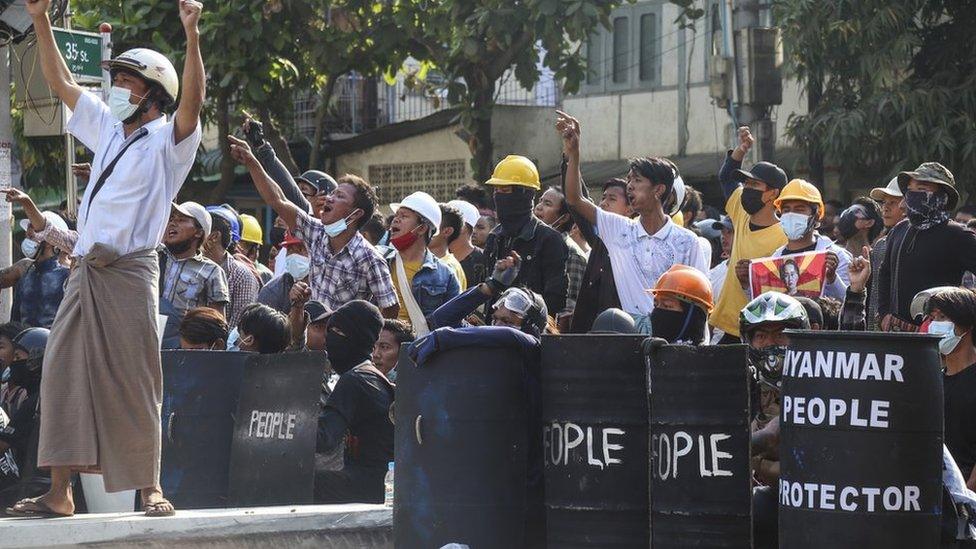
<point x="686" y="284"/>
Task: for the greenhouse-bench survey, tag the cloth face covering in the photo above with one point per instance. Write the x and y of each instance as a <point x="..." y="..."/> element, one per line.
<point x="513" y="209"/>
<point x="360" y="323"/>
<point x="687" y="325"/>
<point x="404" y="241"/>
<point x="752" y="201"/>
<point x="926" y="209"/>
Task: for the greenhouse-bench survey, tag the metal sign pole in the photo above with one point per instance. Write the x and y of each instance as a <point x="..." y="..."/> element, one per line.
<point x="71" y="182"/>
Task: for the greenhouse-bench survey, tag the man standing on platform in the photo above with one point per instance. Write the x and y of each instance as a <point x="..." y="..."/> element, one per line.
<point x="100" y="405"/>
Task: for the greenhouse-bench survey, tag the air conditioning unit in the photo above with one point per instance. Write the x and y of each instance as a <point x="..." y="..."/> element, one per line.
<point x="760" y="50"/>
<point x="720" y="75"/>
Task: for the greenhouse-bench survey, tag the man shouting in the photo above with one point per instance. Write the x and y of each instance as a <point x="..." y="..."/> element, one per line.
<point x="102" y="386"/>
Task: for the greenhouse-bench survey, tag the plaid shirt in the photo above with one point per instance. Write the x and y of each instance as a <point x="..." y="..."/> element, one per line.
<point x="357" y="271"/>
<point x="242" y="285"/>
<point x="575" y="268"/>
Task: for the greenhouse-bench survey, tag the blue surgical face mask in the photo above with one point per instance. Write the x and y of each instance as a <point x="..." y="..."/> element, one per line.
<point x="335" y="229"/>
<point x="947" y="330"/>
<point x="795" y="225"/>
<point x="120" y="105"/>
<point x="30" y="248"/>
<point x="297" y="266"/>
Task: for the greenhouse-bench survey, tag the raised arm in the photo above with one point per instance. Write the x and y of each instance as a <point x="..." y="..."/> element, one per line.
<point x="56" y="72"/>
<point x="733" y="161"/>
<point x="269" y="190"/>
<point x="265" y="153"/>
<point x="194" y="79"/>
<point x="569" y="128"/>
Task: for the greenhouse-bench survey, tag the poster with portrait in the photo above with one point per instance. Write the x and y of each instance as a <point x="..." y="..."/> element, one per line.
<point x="796" y="275"/>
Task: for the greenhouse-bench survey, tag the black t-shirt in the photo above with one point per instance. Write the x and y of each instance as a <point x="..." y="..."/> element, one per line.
<point x="474" y="267"/>
<point x="960" y="418"/>
<point x="363" y="398"/>
<point x="810" y="248"/>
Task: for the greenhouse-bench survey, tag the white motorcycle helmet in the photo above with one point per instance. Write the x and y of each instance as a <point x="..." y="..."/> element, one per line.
<point x="151" y="65"/>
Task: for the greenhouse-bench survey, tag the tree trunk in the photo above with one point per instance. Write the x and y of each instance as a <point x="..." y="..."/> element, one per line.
<point x="814" y="150"/>
<point x="482" y="150"/>
<point x="321" y="112"/>
<point x="277" y="141"/>
<point x="227" y="163"/>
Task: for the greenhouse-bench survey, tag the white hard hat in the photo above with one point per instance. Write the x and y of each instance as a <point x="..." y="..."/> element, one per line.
<point x="425" y="206"/>
<point x="679" y="195"/>
<point x="52" y="218"/>
<point x="151" y="65"/>
<point x="469" y="212"/>
<point x="892" y="190"/>
<point x="198" y="212"/>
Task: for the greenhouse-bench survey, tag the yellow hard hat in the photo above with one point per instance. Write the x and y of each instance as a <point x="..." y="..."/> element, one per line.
<point x="251" y="230"/>
<point x="516" y="170"/>
<point x="799" y="189"/>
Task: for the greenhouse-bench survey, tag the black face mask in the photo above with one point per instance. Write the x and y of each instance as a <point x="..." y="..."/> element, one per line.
<point x="360" y="323"/>
<point x="687" y="325"/>
<point x="23" y="375"/>
<point x="276" y="236"/>
<point x="343" y="354"/>
<point x="752" y="201"/>
<point x="513" y="209"/>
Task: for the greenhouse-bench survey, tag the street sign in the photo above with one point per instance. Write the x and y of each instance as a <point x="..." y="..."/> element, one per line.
<point x="82" y="51"/>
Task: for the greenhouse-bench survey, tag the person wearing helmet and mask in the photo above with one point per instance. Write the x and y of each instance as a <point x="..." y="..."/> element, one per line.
<point x="762" y="324"/>
<point x="423" y="283"/>
<point x="750" y="204"/>
<point x="682" y="302"/>
<point x="515" y="181"/>
<point x="800" y="207"/>
<point x="641" y="249"/>
<point x="100" y="405"/>
<point x="925" y="251"/>
<point x="306" y="191"/>
<point x="470" y="256"/>
<point x="39" y="292"/>
<point x="25" y="358"/>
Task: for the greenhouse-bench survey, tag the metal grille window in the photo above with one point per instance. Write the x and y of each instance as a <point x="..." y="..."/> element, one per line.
<point x="395" y="181"/>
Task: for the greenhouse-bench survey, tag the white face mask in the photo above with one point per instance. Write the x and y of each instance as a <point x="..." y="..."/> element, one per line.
<point x="794" y="225"/>
<point x="947" y="330"/>
<point x="120" y="105"/>
<point x="297" y="266"/>
<point x="30" y="248"/>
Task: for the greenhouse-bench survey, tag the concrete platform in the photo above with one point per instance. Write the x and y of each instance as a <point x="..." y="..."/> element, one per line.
<point x="340" y="526"/>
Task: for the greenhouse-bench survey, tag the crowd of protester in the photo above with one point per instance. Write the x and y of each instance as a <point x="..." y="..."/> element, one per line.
<point x="508" y="261"/>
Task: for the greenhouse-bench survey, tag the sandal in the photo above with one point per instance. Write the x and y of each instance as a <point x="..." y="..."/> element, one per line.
<point x="161" y="508"/>
<point x="34" y="508"/>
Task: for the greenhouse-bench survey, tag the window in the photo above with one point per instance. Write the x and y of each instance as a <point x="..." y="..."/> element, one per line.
<point x="594" y="63"/>
<point x="648" y="47"/>
<point x="621" y="49"/>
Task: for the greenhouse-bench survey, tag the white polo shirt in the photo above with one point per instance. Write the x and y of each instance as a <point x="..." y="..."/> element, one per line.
<point x="132" y="208"/>
<point x="639" y="259"/>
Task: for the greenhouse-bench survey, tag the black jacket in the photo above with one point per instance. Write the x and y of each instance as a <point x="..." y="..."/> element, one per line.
<point x="543" y="252"/>
<point x="918" y="260"/>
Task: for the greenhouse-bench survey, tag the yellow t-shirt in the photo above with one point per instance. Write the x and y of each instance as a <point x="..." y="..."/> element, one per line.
<point x="455" y="266"/>
<point x="410" y="268"/>
<point x="747" y="244"/>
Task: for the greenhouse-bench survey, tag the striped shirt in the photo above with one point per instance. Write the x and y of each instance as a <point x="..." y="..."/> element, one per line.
<point x="357" y="271"/>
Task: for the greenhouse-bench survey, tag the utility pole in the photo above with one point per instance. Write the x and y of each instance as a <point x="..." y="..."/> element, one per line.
<point x="757" y="76"/>
<point x="6" y="149"/>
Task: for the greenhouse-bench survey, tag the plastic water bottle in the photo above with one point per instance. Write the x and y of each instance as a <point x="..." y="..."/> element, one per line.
<point x="388" y="486"/>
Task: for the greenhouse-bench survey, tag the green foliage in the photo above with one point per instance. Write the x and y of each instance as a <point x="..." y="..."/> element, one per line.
<point x="898" y="83"/>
